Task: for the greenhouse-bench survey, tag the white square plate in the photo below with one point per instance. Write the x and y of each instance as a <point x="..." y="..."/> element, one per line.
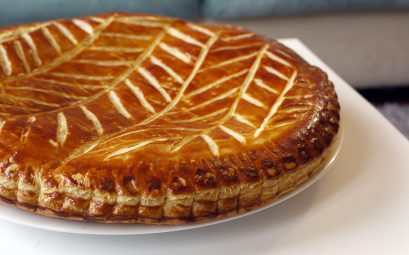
<point x="360" y="207"/>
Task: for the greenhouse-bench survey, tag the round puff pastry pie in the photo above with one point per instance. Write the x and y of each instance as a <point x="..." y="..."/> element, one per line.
<point x="136" y="118"/>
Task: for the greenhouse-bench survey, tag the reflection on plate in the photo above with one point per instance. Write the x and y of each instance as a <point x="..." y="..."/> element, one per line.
<point x="19" y="216"/>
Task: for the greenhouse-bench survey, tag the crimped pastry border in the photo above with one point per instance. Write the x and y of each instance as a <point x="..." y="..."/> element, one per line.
<point x="307" y="172"/>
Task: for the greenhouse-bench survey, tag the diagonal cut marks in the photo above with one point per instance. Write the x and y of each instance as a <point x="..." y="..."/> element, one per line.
<point x="89" y="146"/>
<point x="178" y="97"/>
<point x="242" y="90"/>
<point x="68" y="55"/>
<point x="170" y="106"/>
<point x="148" y="51"/>
<point x="276" y="104"/>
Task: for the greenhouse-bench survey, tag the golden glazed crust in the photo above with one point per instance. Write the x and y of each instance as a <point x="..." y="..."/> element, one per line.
<point x="136" y="118"/>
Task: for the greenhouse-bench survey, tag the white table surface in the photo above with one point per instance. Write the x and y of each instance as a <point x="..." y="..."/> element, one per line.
<point x="360" y="207"/>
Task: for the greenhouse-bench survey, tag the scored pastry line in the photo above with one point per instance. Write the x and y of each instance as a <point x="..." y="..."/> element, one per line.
<point x="216" y="83"/>
<point x="237" y="37"/>
<point x="2" y="123"/>
<point x="104" y="62"/>
<point x="27" y="99"/>
<point x="276" y="58"/>
<point x="97" y="19"/>
<point x="33" y="48"/>
<point x="230" y="61"/>
<point x="80" y="76"/>
<point x="127" y="36"/>
<point x="213" y="147"/>
<point x="13" y="34"/>
<point x="200" y="29"/>
<point x="242" y="90"/>
<point x="26" y="131"/>
<point x="24" y="108"/>
<point x="243" y="120"/>
<point x="65" y="57"/>
<point x="184" y="37"/>
<point x="154" y="83"/>
<point x="233" y="134"/>
<point x="178" y="97"/>
<point x="276" y="104"/>
<point x="66" y="32"/>
<point x="21" y="55"/>
<point x="176" y="53"/>
<point x="215" y="99"/>
<point x="140" y="96"/>
<point x="136" y="146"/>
<point x="296" y="108"/>
<point x="275" y="72"/>
<point x="119" y="49"/>
<point x="5" y="61"/>
<point x="282" y="124"/>
<point x="72" y="85"/>
<point x="167" y="69"/>
<point x="239" y="47"/>
<point x="87" y="147"/>
<point x="51" y="39"/>
<point x="116" y="101"/>
<point x="62" y="129"/>
<point x="261" y="84"/>
<point x="52" y="92"/>
<point x="84" y="26"/>
<point x="253" y="100"/>
<point x="186" y="83"/>
<point x="94" y="119"/>
<point x="143" y="22"/>
<point x="203" y="117"/>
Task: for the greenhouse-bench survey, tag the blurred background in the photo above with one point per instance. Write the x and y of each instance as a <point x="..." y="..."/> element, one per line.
<point x="365" y="41"/>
